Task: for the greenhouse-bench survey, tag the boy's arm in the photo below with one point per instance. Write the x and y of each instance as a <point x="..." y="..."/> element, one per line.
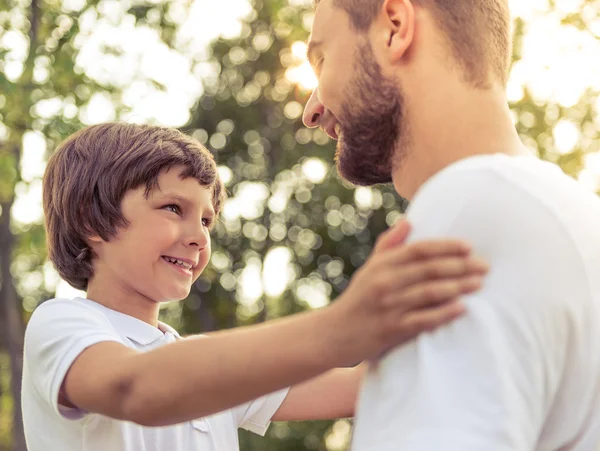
<point x="200" y="376"/>
<point x="329" y="396"/>
<point x="394" y="296"/>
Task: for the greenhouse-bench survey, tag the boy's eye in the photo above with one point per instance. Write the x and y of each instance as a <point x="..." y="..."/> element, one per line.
<point x="318" y="66"/>
<point x="207" y="222"/>
<point x="173" y="207"/>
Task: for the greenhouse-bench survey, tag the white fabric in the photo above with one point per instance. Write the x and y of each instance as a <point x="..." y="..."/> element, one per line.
<point x="521" y="371"/>
<point x="58" y="331"/>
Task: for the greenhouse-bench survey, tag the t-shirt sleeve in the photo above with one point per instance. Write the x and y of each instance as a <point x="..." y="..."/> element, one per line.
<point x="57" y="333"/>
<point x="255" y="416"/>
<point x="487" y="380"/>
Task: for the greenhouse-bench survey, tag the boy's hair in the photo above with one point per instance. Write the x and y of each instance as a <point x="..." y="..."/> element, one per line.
<point x="478" y="32"/>
<point x="90" y="172"/>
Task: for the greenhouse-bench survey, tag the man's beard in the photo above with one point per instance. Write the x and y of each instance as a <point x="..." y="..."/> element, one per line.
<point x="372" y="124"/>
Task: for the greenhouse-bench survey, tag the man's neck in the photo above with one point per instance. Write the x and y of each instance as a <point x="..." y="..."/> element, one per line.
<point x="460" y="124"/>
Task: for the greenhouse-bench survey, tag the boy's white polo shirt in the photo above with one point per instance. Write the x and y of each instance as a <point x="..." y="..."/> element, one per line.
<point x="58" y="331"/>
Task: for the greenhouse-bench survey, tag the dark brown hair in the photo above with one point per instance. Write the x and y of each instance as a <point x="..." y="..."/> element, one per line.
<point x="90" y="172"/>
<point x="477" y="31"/>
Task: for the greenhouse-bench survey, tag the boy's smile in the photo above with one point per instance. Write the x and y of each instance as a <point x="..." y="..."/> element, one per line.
<point x="182" y="265"/>
<point x="161" y="251"/>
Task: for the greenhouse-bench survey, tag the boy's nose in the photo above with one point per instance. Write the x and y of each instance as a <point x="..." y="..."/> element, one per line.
<point x="314" y="111"/>
<point x="199" y="238"/>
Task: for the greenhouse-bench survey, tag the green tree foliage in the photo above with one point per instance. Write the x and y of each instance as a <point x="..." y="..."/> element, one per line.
<point x="287" y="204"/>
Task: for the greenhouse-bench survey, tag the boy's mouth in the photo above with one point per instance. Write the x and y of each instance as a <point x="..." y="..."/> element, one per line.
<point x="178" y="262"/>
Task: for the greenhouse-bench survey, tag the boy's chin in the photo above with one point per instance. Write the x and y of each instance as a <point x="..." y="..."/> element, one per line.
<point x="173" y="296"/>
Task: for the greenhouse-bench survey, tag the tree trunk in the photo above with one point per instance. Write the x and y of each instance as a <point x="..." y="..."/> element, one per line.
<point x="11" y="323"/>
<point x="12" y="328"/>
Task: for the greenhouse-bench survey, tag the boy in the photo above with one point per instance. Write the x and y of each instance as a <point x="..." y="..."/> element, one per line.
<point x="128" y="212"/>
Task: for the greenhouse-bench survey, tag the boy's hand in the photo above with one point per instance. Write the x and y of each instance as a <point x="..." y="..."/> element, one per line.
<point x="401" y="291"/>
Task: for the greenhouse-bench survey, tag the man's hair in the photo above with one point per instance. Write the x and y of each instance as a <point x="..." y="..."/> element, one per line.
<point x="477" y="31"/>
<point x="90" y="172"/>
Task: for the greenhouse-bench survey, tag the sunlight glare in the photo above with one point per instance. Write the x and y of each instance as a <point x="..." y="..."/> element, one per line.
<point x="248" y="202"/>
<point x="209" y="20"/>
<point x="250" y="287"/>
<point x="299" y="49"/>
<point x="66" y="291"/>
<point x="33" y="162"/>
<point x="338" y="438"/>
<point x="100" y="108"/>
<point x="225" y="174"/>
<point x="589" y="179"/>
<point x="277" y="272"/>
<point x="27" y="208"/>
<point x="363" y="196"/>
<point x="592" y="162"/>
<point x="559" y="61"/>
<point x="529" y="9"/>
<point x="302" y="73"/>
<point x="314" y="292"/>
<point x="315" y="170"/>
<point x="566" y="136"/>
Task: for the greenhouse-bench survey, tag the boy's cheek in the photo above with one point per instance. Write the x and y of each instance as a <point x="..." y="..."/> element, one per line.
<point x="203" y="262"/>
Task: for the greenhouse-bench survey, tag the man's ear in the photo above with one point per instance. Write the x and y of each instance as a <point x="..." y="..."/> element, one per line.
<point x="398" y="18"/>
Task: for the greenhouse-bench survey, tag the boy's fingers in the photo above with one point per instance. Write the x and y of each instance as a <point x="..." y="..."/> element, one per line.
<point x="410" y="324"/>
<point x="431" y="293"/>
<point x="423" y="250"/>
<point x="393" y="236"/>
<point x="435" y="268"/>
<point x="429" y="319"/>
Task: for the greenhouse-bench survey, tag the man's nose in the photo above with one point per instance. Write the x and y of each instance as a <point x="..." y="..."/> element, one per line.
<point x="314" y="111"/>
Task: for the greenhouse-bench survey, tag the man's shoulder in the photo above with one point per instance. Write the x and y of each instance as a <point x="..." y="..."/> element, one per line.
<point x="489" y="172"/>
<point x="518" y="215"/>
<point x="490" y="189"/>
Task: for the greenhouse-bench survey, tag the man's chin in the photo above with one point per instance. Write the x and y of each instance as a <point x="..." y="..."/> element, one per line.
<point x="359" y="172"/>
<point x="364" y="178"/>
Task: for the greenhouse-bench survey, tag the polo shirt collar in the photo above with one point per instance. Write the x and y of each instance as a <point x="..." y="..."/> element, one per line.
<point x="136" y="330"/>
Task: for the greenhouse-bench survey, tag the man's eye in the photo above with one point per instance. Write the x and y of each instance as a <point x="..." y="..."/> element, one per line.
<point x="173" y="207"/>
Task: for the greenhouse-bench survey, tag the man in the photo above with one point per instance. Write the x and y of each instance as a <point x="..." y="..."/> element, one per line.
<point x="414" y="92"/>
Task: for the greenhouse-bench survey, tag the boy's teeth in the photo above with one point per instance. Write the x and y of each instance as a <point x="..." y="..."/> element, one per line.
<point x="178" y="262"/>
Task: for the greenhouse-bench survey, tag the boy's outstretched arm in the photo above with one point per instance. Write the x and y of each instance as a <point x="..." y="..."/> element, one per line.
<point x="398" y="293"/>
<point x="328" y="396"/>
<point x="333" y="394"/>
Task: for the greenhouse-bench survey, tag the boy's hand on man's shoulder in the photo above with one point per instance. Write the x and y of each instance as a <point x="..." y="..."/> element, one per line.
<point x="401" y="291"/>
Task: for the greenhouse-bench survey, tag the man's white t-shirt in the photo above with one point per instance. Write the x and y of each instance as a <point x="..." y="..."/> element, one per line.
<point x="521" y="370"/>
<point x="58" y="331"/>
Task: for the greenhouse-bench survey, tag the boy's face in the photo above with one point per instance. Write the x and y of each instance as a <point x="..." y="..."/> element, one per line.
<point x="166" y="245"/>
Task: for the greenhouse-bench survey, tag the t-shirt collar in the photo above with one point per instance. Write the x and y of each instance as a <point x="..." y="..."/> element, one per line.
<point x="137" y="330"/>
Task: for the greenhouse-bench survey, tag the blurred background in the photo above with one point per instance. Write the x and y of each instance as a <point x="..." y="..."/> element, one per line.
<point x="233" y="74"/>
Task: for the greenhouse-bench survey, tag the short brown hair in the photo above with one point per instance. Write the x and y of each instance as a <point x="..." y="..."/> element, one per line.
<point x="90" y="172"/>
<point x="478" y="32"/>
